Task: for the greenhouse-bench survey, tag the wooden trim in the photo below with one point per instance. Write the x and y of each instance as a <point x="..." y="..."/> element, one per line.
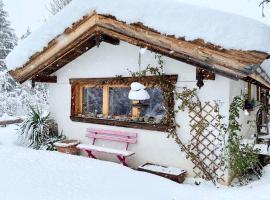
<point x="258" y="92"/>
<point x="135" y="111"/>
<point x="260" y="80"/>
<point x="77" y="86"/>
<point x="106" y="100"/>
<point x="80" y="106"/>
<point x="45" y="79"/>
<point x="137" y="125"/>
<point x="73" y="99"/>
<point x="183" y="55"/>
<point x="149" y="80"/>
<point x="256" y="82"/>
<point x="230" y="63"/>
<point x="249" y="91"/>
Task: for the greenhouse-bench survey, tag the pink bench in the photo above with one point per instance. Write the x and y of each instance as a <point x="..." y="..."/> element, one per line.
<point x="109" y="135"/>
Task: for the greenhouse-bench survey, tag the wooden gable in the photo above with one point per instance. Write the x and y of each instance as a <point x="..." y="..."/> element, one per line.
<point x="94" y="29"/>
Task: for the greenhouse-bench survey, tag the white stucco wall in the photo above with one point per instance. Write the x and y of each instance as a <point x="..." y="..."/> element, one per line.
<point x="238" y="88"/>
<point x="108" y="61"/>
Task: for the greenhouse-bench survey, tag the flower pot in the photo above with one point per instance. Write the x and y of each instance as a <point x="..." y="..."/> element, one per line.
<point x="67" y="146"/>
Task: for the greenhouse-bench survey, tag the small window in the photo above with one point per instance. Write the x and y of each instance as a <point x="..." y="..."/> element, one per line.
<point x="105" y="101"/>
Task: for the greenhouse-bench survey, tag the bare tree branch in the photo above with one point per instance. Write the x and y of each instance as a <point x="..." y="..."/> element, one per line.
<point x="262" y="4"/>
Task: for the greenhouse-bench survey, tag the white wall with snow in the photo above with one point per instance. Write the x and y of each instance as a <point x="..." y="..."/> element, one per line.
<point x="108" y="61"/>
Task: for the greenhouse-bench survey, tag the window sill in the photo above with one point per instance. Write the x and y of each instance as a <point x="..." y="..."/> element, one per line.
<point x="136" y="125"/>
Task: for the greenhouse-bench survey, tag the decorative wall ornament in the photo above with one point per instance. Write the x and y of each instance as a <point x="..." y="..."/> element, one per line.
<point x="138" y="92"/>
<point x="201" y="75"/>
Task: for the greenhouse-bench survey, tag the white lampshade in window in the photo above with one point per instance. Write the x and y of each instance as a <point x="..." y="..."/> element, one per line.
<point x="138" y="92"/>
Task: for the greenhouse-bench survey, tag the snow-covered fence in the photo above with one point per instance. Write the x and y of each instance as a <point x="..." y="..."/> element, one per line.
<point x="11" y="121"/>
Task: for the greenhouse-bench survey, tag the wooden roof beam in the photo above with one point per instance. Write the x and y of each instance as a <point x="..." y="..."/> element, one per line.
<point x="230" y="63"/>
<point x="44" y="79"/>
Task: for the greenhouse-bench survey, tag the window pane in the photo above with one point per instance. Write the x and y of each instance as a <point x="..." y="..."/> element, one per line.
<point x="92" y="101"/>
<point x="155" y="105"/>
<point x="120" y="104"/>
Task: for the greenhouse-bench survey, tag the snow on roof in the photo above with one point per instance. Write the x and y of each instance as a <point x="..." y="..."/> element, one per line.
<point x="168" y="17"/>
<point x="266" y="66"/>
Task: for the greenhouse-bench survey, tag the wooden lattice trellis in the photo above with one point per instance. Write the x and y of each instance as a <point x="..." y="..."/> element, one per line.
<point x="206" y="143"/>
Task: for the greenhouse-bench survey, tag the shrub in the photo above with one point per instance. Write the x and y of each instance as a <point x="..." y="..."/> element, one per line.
<point x="39" y="131"/>
<point x="242" y="158"/>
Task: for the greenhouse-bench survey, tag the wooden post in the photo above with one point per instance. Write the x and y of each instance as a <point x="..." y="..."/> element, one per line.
<point x="258" y="93"/>
<point x="106" y="100"/>
<point x="249" y="91"/>
<point x="135" y="110"/>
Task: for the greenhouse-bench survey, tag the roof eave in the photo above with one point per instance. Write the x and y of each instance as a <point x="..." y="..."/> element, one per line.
<point x="229" y="63"/>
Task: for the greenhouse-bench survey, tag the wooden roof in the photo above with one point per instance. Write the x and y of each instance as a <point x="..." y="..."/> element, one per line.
<point x="93" y="29"/>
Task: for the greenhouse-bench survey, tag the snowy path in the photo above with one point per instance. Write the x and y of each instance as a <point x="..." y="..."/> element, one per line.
<point x="41" y="175"/>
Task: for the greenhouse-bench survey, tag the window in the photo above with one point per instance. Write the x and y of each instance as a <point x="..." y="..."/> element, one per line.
<point x="155" y="106"/>
<point x="92" y="101"/>
<point x="105" y="101"/>
<point x="120" y="105"/>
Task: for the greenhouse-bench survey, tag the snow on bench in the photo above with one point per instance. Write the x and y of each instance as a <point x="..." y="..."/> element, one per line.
<point x="109" y="135"/>
<point x="106" y="150"/>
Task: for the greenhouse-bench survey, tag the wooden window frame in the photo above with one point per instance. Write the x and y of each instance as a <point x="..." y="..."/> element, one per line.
<point x="78" y="84"/>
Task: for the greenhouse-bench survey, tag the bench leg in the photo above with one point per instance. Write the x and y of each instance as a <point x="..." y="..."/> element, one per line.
<point x="90" y="155"/>
<point x="122" y="159"/>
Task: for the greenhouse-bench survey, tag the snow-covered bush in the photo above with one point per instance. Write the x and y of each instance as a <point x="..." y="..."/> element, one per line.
<point x="15" y="98"/>
<point x="39" y="131"/>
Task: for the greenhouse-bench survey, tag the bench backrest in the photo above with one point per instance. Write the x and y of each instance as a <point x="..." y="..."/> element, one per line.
<point x="118" y="136"/>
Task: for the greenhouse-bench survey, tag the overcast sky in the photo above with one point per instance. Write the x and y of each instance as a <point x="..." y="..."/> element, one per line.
<point x="32" y="13"/>
<point x="247" y="8"/>
<point x="26" y="13"/>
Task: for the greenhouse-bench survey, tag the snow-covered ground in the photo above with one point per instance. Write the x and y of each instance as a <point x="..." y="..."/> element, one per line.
<point x="8" y="135"/>
<point x="36" y="175"/>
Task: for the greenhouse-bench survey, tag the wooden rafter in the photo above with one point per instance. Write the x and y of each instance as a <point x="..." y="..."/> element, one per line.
<point x="45" y="79"/>
<point x="95" y="28"/>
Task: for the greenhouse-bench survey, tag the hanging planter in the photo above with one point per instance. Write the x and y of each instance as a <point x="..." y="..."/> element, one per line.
<point x="249" y="105"/>
<point x="138" y="92"/>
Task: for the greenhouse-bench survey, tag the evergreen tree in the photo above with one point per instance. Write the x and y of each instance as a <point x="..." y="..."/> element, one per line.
<point x="8" y="39"/>
<point x="15" y="98"/>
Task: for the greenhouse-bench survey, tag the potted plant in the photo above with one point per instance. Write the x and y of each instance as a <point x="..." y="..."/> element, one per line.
<point x="39" y="131"/>
<point x="67" y="146"/>
<point x="250" y="104"/>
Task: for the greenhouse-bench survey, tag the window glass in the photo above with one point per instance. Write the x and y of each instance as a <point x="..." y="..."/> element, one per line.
<point x="92" y="101"/>
<point x="120" y="104"/>
<point x="154" y="107"/>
